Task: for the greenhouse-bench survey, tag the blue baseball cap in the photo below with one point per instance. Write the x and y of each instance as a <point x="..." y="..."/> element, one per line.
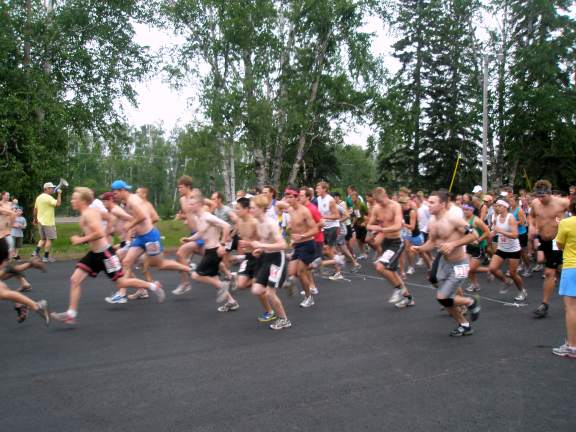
<point x="120" y="184"/>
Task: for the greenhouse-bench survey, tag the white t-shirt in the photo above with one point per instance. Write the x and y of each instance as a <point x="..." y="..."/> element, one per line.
<point x="423" y="217"/>
<point x="99" y="205"/>
<point x="324" y="207"/>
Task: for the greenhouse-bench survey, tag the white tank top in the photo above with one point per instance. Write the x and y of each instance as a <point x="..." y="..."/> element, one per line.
<point x="506" y="244"/>
<point x="324" y="207"/>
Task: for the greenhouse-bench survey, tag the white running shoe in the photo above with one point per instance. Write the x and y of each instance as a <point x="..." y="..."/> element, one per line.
<point x="159" y="291"/>
<point x="313" y="291"/>
<point x="522" y="296"/>
<point x="307" y="302"/>
<point x="410" y="271"/>
<point x="396" y="296"/>
<point x="336" y="276"/>
<point x="182" y="289"/>
<point x="140" y="294"/>
<point x="116" y="298"/>
<point x="420" y="262"/>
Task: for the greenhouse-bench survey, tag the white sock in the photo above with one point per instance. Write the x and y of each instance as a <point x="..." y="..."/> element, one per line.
<point x="72" y="313"/>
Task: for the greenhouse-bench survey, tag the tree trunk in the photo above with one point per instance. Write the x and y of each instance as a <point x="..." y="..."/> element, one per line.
<point x="307" y="126"/>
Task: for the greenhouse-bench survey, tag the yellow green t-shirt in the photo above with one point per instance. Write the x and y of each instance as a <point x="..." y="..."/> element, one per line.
<point x="567" y="237"/>
<point x="44" y="206"/>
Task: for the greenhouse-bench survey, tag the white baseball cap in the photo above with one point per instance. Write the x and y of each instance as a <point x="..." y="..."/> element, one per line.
<point x="477" y="189"/>
<point x="49" y="185"/>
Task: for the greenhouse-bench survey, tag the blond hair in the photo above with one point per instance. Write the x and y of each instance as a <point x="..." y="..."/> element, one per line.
<point x="85" y="194"/>
<point x="261" y="201"/>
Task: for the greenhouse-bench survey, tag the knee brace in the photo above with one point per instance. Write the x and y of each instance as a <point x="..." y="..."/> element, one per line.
<point x="447" y="302"/>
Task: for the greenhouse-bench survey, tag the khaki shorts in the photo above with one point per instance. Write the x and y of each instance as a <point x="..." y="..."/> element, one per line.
<point x="47" y="232"/>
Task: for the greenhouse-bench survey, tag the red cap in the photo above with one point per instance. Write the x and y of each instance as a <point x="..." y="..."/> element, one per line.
<point x="107" y="196"/>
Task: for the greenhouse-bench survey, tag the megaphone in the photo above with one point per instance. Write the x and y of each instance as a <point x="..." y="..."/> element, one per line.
<point x="63" y="183"/>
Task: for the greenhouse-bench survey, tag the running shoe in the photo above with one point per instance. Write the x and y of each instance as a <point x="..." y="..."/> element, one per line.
<point x="462" y="331"/>
<point x="43" y="311"/>
<point x="527" y="273"/>
<point x="410" y="271"/>
<point x="565" y="351"/>
<point x="159" y="291"/>
<point x="420" y="262"/>
<point x="541" y="311"/>
<point x="474" y="309"/>
<point x="538" y="268"/>
<point x="48" y="260"/>
<point x="22" y="312"/>
<point x="290" y="286"/>
<point x="307" y="302"/>
<point x="140" y="294"/>
<point x="362" y="257"/>
<point x="396" y="296"/>
<point x="472" y="288"/>
<point x="63" y="317"/>
<point x="336" y="276"/>
<point x="356" y="267"/>
<point x="228" y="307"/>
<point x="522" y="296"/>
<point x="182" y="289"/>
<point x="280" y="324"/>
<point x="116" y="298"/>
<point x="222" y="291"/>
<point x="267" y="317"/>
<point x="405" y="302"/>
<point x="313" y="291"/>
<point x="505" y="286"/>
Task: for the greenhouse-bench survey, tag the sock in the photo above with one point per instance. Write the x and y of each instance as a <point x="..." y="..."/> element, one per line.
<point x="72" y="313"/>
<point x="465" y="324"/>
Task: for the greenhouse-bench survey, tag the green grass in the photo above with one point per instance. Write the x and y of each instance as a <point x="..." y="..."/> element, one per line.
<point x="171" y="230"/>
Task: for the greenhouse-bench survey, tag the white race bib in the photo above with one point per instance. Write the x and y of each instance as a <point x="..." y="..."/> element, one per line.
<point x="112" y="264"/>
<point x="243" y="266"/>
<point x="554" y="245"/>
<point x="461" y="271"/>
<point x="275" y="274"/>
<point x="386" y="257"/>
<point x="153" y="248"/>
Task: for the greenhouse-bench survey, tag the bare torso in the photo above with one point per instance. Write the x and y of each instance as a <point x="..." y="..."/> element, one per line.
<point x="146" y="225"/>
<point x="446" y="228"/>
<point x="300" y="222"/>
<point x="546" y="217"/>
<point x="89" y="219"/>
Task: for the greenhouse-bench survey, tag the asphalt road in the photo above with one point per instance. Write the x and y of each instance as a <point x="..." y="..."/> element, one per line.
<point x="351" y="363"/>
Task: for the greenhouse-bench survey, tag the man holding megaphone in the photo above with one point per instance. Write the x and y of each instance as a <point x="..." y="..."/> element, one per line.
<point x="44" y="217"/>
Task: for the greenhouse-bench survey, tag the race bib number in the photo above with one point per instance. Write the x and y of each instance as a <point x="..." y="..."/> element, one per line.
<point x="386" y="257"/>
<point x="275" y="274"/>
<point x="112" y="264"/>
<point x="243" y="266"/>
<point x="228" y="245"/>
<point x="461" y="271"/>
<point x="357" y="213"/>
<point x="153" y="248"/>
<point x="554" y="245"/>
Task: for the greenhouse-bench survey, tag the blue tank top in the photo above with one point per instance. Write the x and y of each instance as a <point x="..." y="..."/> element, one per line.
<point x="521" y="228"/>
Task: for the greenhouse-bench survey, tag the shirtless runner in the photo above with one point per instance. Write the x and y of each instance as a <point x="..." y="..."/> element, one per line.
<point x="146" y="237"/>
<point x="449" y="233"/>
<point x="547" y="212"/>
<point x="101" y="257"/>
<point x="385" y="221"/>
<point x="215" y="233"/>
<point x="247" y="229"/>
<point x="270" y="271"/>
<point x="303" y="228"/>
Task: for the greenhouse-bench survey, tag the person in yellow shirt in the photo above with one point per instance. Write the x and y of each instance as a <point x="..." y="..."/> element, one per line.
<point x="45" y="219"/>
<point x="566" y="240"/>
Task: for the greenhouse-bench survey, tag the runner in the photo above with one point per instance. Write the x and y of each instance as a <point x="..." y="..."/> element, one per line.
<point x="506" y="228"/>
<point x="247" y="227"/>
<point x="518" y="213"/>
<point x="386" y="221"/>
<point x="449" y="233"/>
<point x="566" y="241"/>
<point x="215" y="233"/>
<point x="146" y="237"/>
<point x="546" y="213"/>
<point x="359" y="219"/>
<point x="101" y="257"/>
<point x="476" y="250"/>
<point x="270" y="271"/>
<point x="20" y="300"/>
<point x="331" y="218"/>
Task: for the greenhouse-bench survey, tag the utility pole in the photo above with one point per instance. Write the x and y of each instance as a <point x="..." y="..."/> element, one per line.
<point x="486" y="60"/>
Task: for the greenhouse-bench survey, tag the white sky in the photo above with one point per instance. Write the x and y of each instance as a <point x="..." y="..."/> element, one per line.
<point x="160" y="104"/>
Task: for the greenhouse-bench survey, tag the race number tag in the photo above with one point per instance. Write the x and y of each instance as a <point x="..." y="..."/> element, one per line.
<point x="386" y="256"/>
<point x="153" y="248"/>
<point x="112" y="264"/>
<point x="357" y="213"/>
<point x="461" y="271"/>
<point x="275" y="274"/>
<point x="228" y="245"/>
<point x="554" y="245"/>
<point x="243" y="266"/>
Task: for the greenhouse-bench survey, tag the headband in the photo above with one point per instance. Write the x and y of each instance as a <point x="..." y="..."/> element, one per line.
<point x="467" y="207"/>
<point x="291" y="191"/>
<point x="542" y="191"/>
<point x="502" y="203"/>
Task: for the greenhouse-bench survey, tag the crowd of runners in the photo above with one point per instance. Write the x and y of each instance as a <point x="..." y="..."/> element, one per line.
<point x="266" y="242"/>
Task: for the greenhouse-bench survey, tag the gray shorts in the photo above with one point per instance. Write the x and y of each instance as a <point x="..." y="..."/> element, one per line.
<point x="451" y="276"/>
<point x="47" y="232"/>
